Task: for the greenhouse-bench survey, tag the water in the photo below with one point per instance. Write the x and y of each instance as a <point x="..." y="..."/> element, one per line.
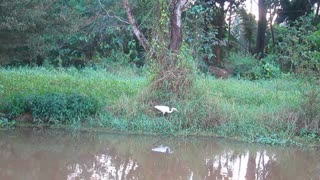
<point x="55" y="154"/>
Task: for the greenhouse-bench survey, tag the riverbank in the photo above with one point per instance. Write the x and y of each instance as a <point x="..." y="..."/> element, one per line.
<point x="276" y="111"/>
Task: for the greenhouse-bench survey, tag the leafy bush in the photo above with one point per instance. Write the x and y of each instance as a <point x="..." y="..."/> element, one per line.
<point x="240" y="64"/>
<point x="266" y="69"/>
<point x="298" y="47"/>
<point x="16" y="106"/>
<point x="310" y="110"/>
<point x="248" y="67"/>
<point x="62" y="107"/>
<point x="59" y="107"/>
<point x="5" y="123"/>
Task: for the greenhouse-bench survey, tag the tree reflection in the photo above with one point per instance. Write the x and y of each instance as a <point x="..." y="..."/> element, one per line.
<point x="103" y="166"/>
<point x="250" y="165"/>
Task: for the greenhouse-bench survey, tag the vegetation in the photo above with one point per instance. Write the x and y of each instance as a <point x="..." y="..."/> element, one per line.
<point x="106" y="64"/>
<point x="266" y="111"/>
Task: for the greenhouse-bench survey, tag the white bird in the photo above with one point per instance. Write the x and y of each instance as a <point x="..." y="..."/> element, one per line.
<point x="165" y="109"/>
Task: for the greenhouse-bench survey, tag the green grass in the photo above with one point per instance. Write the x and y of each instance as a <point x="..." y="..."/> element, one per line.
<point x="265" y="111"/>
<point x="97" y="83"/>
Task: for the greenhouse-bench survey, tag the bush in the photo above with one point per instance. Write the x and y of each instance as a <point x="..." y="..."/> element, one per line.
<point x="247" y="67"/>
<point x="62" y="107"/>
<point x="240" y="64"/>
<point x="298" y="47"/>
<point x="15" y="106"/>
<point x="309" y="111"/>
<point x="5" y="123"/>
<point x="266" y="69"/>
<point x="57" y="107"/>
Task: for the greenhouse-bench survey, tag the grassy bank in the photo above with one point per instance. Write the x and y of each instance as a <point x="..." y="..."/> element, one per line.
<point x="277" y="111"/>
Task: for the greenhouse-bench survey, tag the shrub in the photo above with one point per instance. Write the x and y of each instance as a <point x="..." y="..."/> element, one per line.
<point x="247" y="67"/>
<point x="266" y="69"/>
<point x="309" y="110"/>
<point x="15" y="106"/>
<point x="5" y="123"/>
<point x="62" y="107"/>
<point x="240" y="64"/>
<point x="298" y="47"/>
<point x="59" y="107"/>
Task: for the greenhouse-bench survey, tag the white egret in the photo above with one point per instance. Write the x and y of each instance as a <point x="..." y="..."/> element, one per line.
<point x="165" y="109"/>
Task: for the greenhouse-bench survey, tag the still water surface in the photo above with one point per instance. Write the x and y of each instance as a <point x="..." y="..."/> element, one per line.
<point x="55" y="154"/>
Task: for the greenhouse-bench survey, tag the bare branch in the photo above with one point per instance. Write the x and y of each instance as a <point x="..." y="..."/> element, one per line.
<point x="142" y="39"/>
<point x="112" y="16"/>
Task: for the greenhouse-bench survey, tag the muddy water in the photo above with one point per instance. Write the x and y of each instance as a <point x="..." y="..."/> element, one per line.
<point x="54" y="154"/>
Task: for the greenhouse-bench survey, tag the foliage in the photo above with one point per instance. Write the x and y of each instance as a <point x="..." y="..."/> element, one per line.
<point x="265" y="111"/>
<point x="199" y="38"/>
<point x="19" y="84"/>
<point x="5" y="122"/>
<point x="240" y="64"/>
<point x="206" y="29"/>
<point x="62" y="107"/>
<point x="248" y="67"/>
<point x="267" y="69"/>
<point x="309" y="111"/>
<point x="55" y="107"/>
<point x="272" y="109"/>
<point x="30" y="29"/>
<point x="16" y="106"/>
<point x="246" y="33"/>
<point x="260" y="111"/>
<point x="67" y="33"/>
<point x="298" y="47"/>
<point x="292" y="10"/>
<point x="107" y="39"/>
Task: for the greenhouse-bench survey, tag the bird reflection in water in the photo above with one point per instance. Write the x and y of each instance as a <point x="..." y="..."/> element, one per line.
<point x="162" y="149"/>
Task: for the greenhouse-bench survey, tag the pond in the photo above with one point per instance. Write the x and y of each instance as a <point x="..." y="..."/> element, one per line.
<point x="38" y="154"/>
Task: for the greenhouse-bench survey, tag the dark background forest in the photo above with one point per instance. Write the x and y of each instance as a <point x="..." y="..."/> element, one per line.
<point x="219" y="34"/>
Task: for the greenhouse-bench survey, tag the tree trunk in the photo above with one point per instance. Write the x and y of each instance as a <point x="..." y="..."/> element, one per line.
<point x="271" y="29"/>
<point x="142" y="39"/>
<point x="221" y="34"/>
<point x="262" y="25"/>
<point x="229" y="24"/>
<point x="272" y="35"/>
<point x="317" y="10"/>
<point x="175" y="26"/>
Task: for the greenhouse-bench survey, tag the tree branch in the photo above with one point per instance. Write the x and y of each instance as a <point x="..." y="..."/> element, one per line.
<point x="142" y="39"/>
<point x="112" y="16"/>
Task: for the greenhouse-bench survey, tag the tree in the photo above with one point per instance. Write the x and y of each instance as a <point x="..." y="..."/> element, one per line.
<point x="30" y="29"/>
<point x="140" y="36"/>
<point x="215" y="19"/>
<point x="262" y="26"/>
<point x="248" y="28"/>
<point x="177" y="7"/>
<point x="273" y="5"/>
<point x="318" y="7"/>
<point x="170" y="78"/>
<point x="292" y="10"/>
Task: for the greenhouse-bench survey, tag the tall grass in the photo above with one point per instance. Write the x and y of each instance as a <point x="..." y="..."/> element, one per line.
<point x="98" y="83"/>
